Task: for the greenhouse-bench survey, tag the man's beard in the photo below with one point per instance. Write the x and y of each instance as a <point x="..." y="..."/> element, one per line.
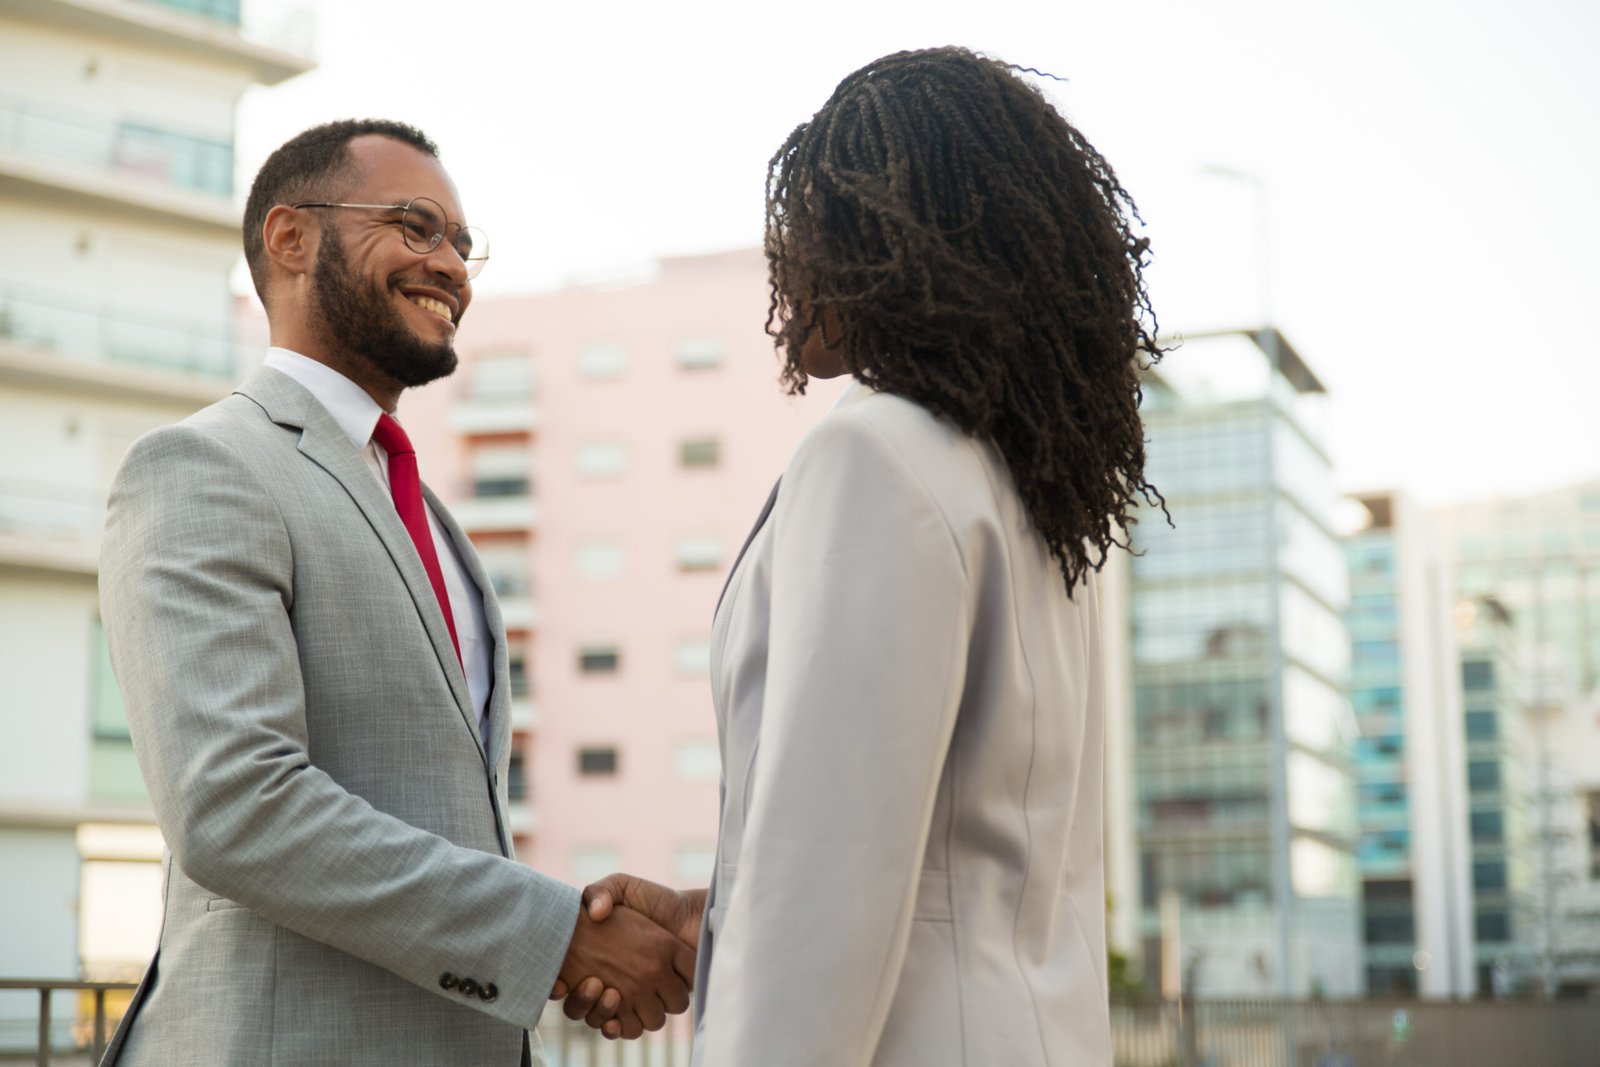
<point x="361" y="321"/>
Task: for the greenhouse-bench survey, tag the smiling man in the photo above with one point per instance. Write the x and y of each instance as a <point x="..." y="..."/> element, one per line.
<point x="315" y="673"/>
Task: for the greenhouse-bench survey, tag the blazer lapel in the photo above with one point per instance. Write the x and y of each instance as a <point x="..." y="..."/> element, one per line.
<point x="325" y="444"/>
<point x="499" y="695"/>
<point x="761" y="520"/>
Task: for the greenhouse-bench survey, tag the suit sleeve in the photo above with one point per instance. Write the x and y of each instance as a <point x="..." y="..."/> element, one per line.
<point x="197" y="582"/>
<point x="871" y="618"/>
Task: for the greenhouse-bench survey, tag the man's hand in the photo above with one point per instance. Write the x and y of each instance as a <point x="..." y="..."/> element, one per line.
<point x="651" y="970"/>
<point x="678" y="913"/>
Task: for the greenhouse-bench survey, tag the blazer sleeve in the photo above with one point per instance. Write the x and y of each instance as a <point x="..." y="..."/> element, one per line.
<point x="197" y="581"/>
<point x="871" y="617"/>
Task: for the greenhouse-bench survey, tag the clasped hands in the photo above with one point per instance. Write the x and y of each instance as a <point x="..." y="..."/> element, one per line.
<point x="632" y="957"/>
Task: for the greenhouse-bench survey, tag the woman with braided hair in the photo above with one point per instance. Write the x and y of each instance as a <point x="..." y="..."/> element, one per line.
<point x="906" y="661"/>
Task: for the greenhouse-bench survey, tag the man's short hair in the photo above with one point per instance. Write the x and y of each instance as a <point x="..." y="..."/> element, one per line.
<point x="306" y="167"/>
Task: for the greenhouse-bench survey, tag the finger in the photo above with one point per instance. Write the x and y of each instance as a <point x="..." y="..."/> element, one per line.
<point x="674" y="997"/>
<point x="683" y="962"/>
<point x="612" y="1029"/>
<point x="559" y="990"/>
<point x="599" y="899"/>
<point x="652" y="1013"/>
<point x="582" y="999"/>
<point x="632" y="1027"/>
<point x="606" y="1009"/>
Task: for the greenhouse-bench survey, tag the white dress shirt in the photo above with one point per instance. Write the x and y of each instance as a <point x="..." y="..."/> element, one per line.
<point x="357" y="415"/>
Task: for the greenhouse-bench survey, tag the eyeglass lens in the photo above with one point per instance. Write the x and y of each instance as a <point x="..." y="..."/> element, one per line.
<point x="424" y="224"/>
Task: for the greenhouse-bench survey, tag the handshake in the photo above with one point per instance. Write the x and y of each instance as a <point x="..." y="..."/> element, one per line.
<point x="631" y="960"/>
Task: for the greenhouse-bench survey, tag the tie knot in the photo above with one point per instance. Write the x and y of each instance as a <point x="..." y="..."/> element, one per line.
<point x="390" y="436"/>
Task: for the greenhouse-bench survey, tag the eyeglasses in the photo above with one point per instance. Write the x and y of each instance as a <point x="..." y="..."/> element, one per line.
<point x="423" y="224"/>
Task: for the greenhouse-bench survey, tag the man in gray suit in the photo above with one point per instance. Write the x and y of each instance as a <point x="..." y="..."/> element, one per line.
<point x="315" y="673"/>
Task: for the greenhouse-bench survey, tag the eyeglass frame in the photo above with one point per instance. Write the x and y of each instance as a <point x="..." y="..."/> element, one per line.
<point x="467" y="261"/>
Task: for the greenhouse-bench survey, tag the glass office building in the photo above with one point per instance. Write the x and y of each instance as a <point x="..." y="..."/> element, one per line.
<point x="1410" y="769"/>
<point x="1243" y="732"/>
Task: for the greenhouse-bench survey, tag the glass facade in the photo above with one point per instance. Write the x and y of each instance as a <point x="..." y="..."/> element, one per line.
<point x="1245" y="797"/>
<point x="1498" y="781"/>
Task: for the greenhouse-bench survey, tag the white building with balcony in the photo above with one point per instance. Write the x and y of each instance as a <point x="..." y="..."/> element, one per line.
<point x="117" y="202"/>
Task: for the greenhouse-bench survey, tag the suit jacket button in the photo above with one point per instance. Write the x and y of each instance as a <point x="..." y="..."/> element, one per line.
<point x="448" y="981"/>
<point x="469" y="987"/>
<point x="489" y="993"/>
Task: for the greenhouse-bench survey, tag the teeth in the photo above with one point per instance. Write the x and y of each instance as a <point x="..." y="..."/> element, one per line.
<point x="438" y="307"/>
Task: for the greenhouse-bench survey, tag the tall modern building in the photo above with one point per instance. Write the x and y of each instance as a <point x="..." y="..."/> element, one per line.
<point x="1499" y="784"/>
<point x="1539" y="556"/>
<point x="607" y="447"/>
<point x="1243" y="732"/>
<point x="1410" y="757"/>
<point x="116" y="198"/>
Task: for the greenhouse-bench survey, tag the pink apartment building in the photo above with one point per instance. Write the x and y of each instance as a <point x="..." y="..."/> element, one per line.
<point x="607" y="448"/>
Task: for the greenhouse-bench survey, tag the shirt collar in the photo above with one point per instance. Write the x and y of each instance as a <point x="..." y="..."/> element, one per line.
<point x="350" y="405"/>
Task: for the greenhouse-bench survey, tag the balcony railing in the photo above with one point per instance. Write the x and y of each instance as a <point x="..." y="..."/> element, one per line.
<point x="55" y="134"/>
<point x="1190" y="1033"/>
<point x="47" y="510"/>
<point x="284" y="26"/>
<point x="103" y="331"/>
<point x="89" y="1033"/>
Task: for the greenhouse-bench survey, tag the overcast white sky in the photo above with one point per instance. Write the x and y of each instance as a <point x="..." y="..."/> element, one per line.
<point x="1427" y="169"/>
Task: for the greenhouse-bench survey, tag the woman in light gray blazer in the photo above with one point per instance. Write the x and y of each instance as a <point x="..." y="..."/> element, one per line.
<point x="906" y="662"/>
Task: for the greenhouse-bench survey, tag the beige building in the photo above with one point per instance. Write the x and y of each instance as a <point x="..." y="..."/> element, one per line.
<point x="117" y="199"/>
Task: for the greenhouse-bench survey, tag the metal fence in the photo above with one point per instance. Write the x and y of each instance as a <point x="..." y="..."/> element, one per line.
<point x="1205" y="1033"/>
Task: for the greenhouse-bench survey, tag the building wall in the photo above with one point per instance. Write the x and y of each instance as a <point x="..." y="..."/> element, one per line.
<point x="1410" y="759"/>
<point x="1242" y="730"/>
<point x="116" y="182"/>
<point x="629" y="547"/>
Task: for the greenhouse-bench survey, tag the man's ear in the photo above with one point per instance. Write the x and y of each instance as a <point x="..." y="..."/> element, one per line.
<point x="291" y="244"/>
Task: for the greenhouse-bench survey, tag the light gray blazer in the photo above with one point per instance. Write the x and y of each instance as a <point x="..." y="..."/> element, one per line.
<point x="338" y="850"/>
<point x="911" y="717"/>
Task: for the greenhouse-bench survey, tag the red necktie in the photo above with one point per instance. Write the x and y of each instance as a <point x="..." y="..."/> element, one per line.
<point x="406" y="487"/>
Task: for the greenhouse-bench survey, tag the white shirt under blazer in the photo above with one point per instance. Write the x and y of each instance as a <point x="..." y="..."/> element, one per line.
<point x="911" y="716"/>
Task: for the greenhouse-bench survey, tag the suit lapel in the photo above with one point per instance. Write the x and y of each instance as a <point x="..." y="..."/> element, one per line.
<point x="761" y="520"/>
<point x="325" y="444"/>
<point x="499" y="697"/>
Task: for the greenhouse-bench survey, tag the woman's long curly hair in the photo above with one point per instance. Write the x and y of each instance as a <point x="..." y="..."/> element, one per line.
<point x="978" y="257"/>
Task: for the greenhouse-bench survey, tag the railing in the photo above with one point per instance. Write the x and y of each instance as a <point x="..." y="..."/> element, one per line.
<point x="104" y="331"/>
<point x="1203" y="1033"/>
<point x="94" y="1041"/>
<point x="59" y="134"/>
<point x="287" y="27"/>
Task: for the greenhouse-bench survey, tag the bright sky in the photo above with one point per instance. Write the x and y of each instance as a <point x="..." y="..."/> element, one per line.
<point x="1416" y="175"/>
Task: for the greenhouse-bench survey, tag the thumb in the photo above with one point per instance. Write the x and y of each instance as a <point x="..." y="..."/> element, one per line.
<point x="600" y="897"/>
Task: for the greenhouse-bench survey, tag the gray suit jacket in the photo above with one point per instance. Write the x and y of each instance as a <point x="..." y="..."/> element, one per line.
<point x="911" y="714"/>
<point x="339" y="865"/>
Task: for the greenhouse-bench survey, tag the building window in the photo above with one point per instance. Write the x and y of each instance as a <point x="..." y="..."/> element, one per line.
<point x="500" y="470"/>
<point x="593" y="862"/>
<point x="692" y="658"/>
<point x="1482" y="726"/>
<point x="506" y="562"/>
<point x="602" y="362"/>
<point x="697" y="761"/>
<point x="602" y="459"/>
<point x="1592" y="809"/>
<point x="501" y="377"/>
<point x="599" y="659"/>
<point x="109" y="719"/>
<point x="1483" y="775"/>
<point x="600" y="761"/>
<point x="694" y="863"/>
<point x="1488" y="827"/>
<point x="698" y="553"/>
<point x="701" y="353"/>
<point x="1494" y="926"/>
<point x="516" y="778"/>
<point x="600" y="559"/>
<point x="517" y="667"/>
<point x="1477" y="674"/>
<point x="699" y="452"/>
<point x="1489" y="874"/>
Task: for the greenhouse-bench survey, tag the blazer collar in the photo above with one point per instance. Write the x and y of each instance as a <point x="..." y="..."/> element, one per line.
<point x="290" y="404"/>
